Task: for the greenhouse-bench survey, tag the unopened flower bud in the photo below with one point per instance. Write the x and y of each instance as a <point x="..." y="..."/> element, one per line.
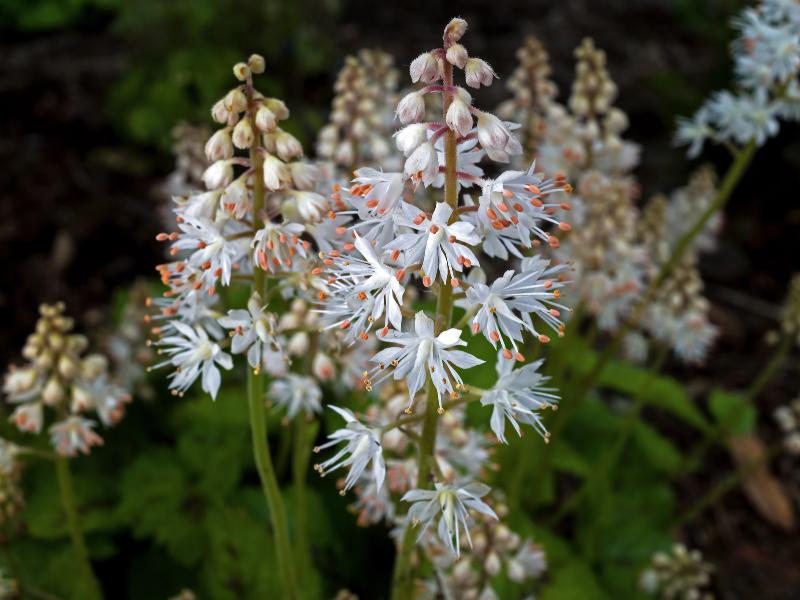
<point x="457" y="55"/>
<point x="256" y="63"/>
<point x="241" y="71"/>
<point x="424" y="68"/>
<point x="478" y="72"/>
<point x="93" y="366"/>
<point x="411" y="108"/>
<point x="492" y="133"/>
<point x="423" y="163"/>
<point x="459" y="117"/>
<point x="219" y="112"/>
<point x="266" y="120"/>
<point x="455" y="29"/>
<point x="235" y="101"/>
<point x="243" y="134"/>
<point x="81" y="399"/>
<point x="298" y="344"/>
<point x="410" y="137"/>
<point x="67" y="367"/>
<point x="53" y="393"/>
<point x="287" y="146"/>
<point x="323" y="367"/>
<point x="219" y="146"/>
<point x="492" y="564"/>
<point x="278" y="108"/>
<point x="304" y="175"/>
<point x="275" y="172"/>
<point x="344" y="152"/>
<point x="218" y="175"/>
<point x="515" y="571"/>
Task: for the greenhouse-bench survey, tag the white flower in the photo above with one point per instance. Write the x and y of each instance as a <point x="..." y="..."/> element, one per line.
<point x="507" y="305"/>
<point x="441" y="245"/>
<point x="745" y="118"/>
<point x="376" y="192"/>
<point x="457" y="55"/>
<point x="253" y="331"/>
<point x="410" y="137"/>
<point x="411" y="109"/>
<point x="361" y="291"/>
<point x="518" y="395"/>
<point x="458" y="116"/>
<point x="104" y="396"/>
<point x="276" y="244"/>
<point x="451" y="503"/>
<point x="423" y="352"/>
<point x="423" y="164"/>
<point x="694" y="132"/>
<point x="192" y="353"/>
<point x="303" y="205"/>
<point x="296" y="393"/>
<point x="28" y="417"/>
<point x="243" y="135"/>
<point x="73" y="435"/>
<point x="218" y="175"/>
<point x="212" y="253"/>
<point x="363" y="446"/>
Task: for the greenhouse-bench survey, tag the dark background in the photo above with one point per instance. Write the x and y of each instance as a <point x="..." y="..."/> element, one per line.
<point x="90" y="90"/>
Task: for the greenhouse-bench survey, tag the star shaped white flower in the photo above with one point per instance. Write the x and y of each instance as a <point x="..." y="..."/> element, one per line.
<point x="361" y="291"/>
<point x="422" y="352"/>
<point x="192" y="352"/>
<point x="518" y="396"/>
<point x="253" y="331"/>
<point x="363" y="446"/>
<point x="211" y="252"/>
<point x="451" y="503"/>
<point x="74" y="435"/>
<point x="296" y="393"/>
<point x="441" y="245"/>
<point x="506" y="308"/>
<point x="276" y="244"/>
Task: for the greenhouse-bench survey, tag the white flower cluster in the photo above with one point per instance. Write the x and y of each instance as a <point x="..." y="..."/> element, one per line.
<point x="60" y="377"/>
<point x="787" y="417"/>
<point x="767" y="63"/>
<point x="390" y="246"/>
<point x="361" y="116"/>
<point x="681" y="574"/>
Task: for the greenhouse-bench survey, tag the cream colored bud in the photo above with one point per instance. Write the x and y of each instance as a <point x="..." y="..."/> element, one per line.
<point x="492" y="564"/>
<point x="81" y="399"/>
<point x="66" y="367"/>
<point x="424" y="68"/>
<point x="219" y="146"/>
<point x="455" y="29"/>
<point x="94" y="366"/>
<point x="459" y="117"/>
<point x="219" y="113"/>
<point x="53" y="393"/>
<point x="457" y="55"/>
<point x="516" y="572"/>
<point x="241" y="71"/>
<point x="256" y="63"/>
<point x="218" y="175"/>
<point x="287" y="146"/>
<point x="275" y="172"/>
<point x="278" y="107"/>
<point x="478" y="72"/>
<point x="235" y="101"/>
<point x="298" y="344"/>
<point x="266" y="120"/>
<point x="323" y="367"/>
<point x="411" y="109"/>
<point x="243" y="134"/>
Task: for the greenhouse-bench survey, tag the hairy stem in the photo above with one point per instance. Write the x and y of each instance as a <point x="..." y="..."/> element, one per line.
<point x="67" y="488"/>
<point x="255" y="399"/>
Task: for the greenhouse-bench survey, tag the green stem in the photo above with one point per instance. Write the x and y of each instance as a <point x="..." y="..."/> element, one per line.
<point x="609" y="460"/>
<point x="403" y="578"/>
<point x="67" y="487"/>
<point x="718" y="433"/>
<point x="303" y="437"/>
<point x="255" y="396"/>
<point x="732" y="177"/>
<point x="728" y="484"/>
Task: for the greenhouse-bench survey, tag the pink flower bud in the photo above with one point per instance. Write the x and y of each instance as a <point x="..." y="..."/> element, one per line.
<point x="478" y="72"/>
<point x="455" y="29"/>
<point x="492" y="134"/>
<point x="424" y="68"/>
<point x="458" y="117"/>
<point x="411" y="108"/>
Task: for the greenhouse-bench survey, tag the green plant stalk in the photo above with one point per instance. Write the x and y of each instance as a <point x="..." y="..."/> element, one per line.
<point x="403" y="578"/>
<point x="740" y="163"/>
<point x="727" y="485"/>
<point x="606" y="464"/>
<point x="256" y="404"/>
<point x="718" y="433"/>
<point x="303" y="438"/>
<point x="67" y="488"/>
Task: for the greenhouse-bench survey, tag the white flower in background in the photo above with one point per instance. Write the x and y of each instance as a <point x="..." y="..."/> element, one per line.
<point x="451" y="505"/>
<point x="694" y="132"/>
<point x="363" y="446"/>
<point x="746" y="117"/>
<point x="361" y="291"/>
<point x="422" y="352"/>
<point x="28" y="417"/>
<point x="506" y="307"/>
<point x="74" y="435"/>
<point x="440" y="245"/>
<point x="253" y="331"/>
<point x="193" y="353"/>
<point x="519" y="395"/>
<point x="296" y="393"/>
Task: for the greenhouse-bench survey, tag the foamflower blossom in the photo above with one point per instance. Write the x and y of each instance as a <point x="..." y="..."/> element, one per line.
<point x="296" y="393"/>
<point x="74" y="435"/>
<point x="450" y="504"/>
<point x="416" y="354"/>
<point x="193" y="354"/>
<point x="253" y="331"/>
<point x="518" y="396"/>
<point x="363" y="445"/>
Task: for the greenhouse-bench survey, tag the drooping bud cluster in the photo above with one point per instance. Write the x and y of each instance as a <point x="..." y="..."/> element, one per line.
<point x="360" y="124"/>
<point x="678" y="575"/>
<point x="61" y="377"/>
<point x="533" y="95"/>
<point x="767" y="63"/>
<point x="679" y="314"/>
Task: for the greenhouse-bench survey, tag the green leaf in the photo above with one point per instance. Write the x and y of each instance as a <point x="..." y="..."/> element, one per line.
<point x="656" y="449"/>
<point x="574" y="581"/>
<point x="733" y="412"/>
